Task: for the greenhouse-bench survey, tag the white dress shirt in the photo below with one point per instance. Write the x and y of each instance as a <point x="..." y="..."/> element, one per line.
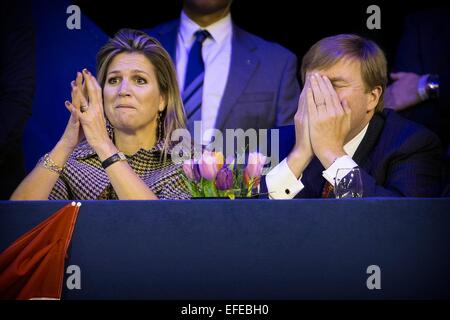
<point x="283" y="184"/>
<point x="216" y="53"/>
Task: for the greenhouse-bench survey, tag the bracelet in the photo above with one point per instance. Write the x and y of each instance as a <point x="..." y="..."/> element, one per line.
<point x="119" y="156"/>
<point x="49" y="164"/>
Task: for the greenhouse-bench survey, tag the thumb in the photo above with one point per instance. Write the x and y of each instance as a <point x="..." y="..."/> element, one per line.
<point x="73" y="112"/>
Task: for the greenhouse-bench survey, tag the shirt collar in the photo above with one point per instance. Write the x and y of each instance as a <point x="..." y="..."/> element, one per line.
<point x="351" y="146"/>
<point x="219" y="30"/>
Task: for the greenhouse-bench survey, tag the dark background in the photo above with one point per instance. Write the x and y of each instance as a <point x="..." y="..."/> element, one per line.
<point x="59" y="52"/>
<point x="294" y="24"/>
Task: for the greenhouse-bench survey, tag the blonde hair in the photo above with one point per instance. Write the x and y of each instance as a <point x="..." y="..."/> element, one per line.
<point x="131" y="41"/>
<point x="328" y="51"/>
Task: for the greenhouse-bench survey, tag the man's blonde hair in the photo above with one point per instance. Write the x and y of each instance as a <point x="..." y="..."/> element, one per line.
<point x="329" y="51"/>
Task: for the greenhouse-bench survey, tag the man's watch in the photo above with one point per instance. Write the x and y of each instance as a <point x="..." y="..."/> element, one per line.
<point x="119" y="156"/>
<point x="428" y="87"/>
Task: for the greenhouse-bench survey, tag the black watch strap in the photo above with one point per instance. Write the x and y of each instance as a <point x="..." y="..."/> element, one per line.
<point x="114" y="158"/>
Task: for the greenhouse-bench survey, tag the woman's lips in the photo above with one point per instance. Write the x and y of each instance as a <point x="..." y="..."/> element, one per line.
<point x="125" y="106"/>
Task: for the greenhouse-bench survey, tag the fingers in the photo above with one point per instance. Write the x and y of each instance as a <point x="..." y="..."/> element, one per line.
<point x="93" y="90"/>
<point x="79" y="80"/>
<point x="326" y="93"/>
<point x="318" y="95"/>
<point x="333" y="95"/>
<point x="301" y="108"/>
<point x="76" y="95"/>
<point x="312" y="108"/>
<point x="73" y="110"/>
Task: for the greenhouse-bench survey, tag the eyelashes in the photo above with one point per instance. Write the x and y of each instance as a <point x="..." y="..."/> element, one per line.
<point x="137" y="80"/>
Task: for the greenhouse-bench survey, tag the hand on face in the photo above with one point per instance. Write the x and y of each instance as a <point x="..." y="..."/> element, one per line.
<point x="329" y="120"/>
<point x="302" y="137"/>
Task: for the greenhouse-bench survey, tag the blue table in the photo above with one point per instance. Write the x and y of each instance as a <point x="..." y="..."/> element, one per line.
<point x="251" y="249"/>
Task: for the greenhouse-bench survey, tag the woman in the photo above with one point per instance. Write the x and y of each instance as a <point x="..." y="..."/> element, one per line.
<point x="117" y="142"/>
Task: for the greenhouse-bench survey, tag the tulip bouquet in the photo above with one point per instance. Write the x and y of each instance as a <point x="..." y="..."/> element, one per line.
<point x="211" y="176"/>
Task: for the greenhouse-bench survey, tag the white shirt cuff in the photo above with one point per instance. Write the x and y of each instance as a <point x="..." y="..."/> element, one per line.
<point x="282" y="183"/>
<point x="341" y="162"/>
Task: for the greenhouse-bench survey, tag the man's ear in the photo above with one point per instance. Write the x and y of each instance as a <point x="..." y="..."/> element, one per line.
<point x="373" y="98"/>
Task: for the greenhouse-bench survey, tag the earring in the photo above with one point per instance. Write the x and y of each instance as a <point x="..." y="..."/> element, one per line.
<point x="160" y="125"/>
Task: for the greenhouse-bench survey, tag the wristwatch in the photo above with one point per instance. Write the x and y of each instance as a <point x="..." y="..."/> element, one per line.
<point x="119" y="156"/>
<point x="428" y="87"/>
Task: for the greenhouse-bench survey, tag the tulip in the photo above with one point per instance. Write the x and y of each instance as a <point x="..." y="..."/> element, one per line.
<point x="210" y="163"/>
<point x="255" y="165"/>
<point x="191" y="169"/>
<point x="224" y="179"/>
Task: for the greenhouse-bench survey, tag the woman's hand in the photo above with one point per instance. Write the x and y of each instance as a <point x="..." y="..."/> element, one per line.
<point x="73" y="133"/>
<point x="90" y="115"/>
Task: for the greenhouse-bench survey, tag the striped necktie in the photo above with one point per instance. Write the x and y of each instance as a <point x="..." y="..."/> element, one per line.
<point x="193" y="84"/>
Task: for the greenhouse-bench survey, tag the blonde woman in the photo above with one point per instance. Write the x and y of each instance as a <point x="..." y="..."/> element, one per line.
<point x="117" y="141"/>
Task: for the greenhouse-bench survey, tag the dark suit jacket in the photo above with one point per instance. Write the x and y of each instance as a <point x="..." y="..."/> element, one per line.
<point x="424" y="48"/>
<point x="398" y="158"/>
<point x="262" y="89"/>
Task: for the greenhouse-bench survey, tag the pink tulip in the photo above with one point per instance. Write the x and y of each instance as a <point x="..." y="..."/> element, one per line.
<point x="255" y="165"/>
<point x="191" y="170"/>
<point x="210" y="163"/>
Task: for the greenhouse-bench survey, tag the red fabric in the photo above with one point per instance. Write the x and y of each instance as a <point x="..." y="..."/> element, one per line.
<point x="327" y="190"/>
<point x="33" y="266"/>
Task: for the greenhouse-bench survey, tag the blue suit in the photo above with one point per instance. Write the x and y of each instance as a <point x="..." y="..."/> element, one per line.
<point x="397" y="157"/>
<point x="262" y="89"/>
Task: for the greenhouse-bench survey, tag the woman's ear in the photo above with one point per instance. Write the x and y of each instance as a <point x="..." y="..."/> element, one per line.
<point x="373" y="98"/>
<point x="162" y="103"/>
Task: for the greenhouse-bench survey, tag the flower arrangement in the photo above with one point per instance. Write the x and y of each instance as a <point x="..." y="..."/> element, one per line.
<point x="211" y="176"/>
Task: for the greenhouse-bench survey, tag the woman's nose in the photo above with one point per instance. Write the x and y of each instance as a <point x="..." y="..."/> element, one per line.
<point x="124" y="89"/>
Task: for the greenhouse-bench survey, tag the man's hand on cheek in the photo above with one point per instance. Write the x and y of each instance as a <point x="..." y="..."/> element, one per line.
<point x="329" y="120"/>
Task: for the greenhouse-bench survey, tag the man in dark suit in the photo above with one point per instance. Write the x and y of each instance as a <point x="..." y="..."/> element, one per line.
<point x="248" y="82"/>
<point x="340" y="123"/>
<point x="421" y="87"/>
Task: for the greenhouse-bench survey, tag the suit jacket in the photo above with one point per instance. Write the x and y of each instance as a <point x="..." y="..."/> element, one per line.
<point x="262" y="89"/>
<point x="397" y="158"/>
<point x="423" y="49"/>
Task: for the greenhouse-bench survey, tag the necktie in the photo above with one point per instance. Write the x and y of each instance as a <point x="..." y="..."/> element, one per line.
<point x="327" y="191"/>
<point x="193" y="84"/>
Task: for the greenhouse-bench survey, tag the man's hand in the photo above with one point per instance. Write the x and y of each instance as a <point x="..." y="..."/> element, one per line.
<point x="402" y="93"/>
<point x="329" y="120"/>
<point x="302" y="152"/>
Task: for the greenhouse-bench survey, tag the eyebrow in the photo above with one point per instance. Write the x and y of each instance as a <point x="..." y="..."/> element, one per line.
<point x="337" y="79"/>
<point x="133" y="71"/>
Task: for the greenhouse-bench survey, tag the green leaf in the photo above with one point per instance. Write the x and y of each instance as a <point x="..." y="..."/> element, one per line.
<point x="191" y="186"/>
<point x="209" y="188"/>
